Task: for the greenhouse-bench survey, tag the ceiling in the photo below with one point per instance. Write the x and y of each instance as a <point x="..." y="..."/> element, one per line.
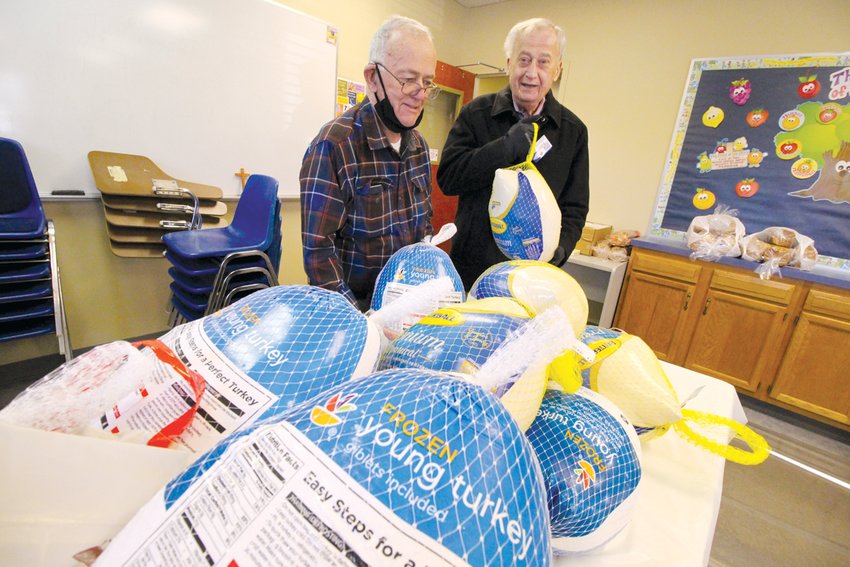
<point x="476" y="3"/>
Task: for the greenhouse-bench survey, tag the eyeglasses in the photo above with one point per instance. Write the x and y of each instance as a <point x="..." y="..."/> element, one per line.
<point x="410" y="88"/>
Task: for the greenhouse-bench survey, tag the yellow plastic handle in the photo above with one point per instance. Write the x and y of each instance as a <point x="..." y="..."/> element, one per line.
<point x="759" y="449"/>
<point x="533" y="142"/>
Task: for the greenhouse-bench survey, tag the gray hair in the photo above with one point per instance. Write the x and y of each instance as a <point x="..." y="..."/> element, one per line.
<point x="393" y="26"/>
<point x="522" y="29"/>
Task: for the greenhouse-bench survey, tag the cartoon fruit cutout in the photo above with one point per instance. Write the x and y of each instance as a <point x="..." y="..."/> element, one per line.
<point x="804" y="168"/>
<point x="747" y="188"/>
<point x="704" y="163"/>
<point x="713" y="117"/>
<point x="788" y="149"/>
<point x="739" y="91"/>
<point x="704" y="199"/>
<point x="757" y="117"/>
<point x="791" y="120"/>
<point x="755" y="157"/>
<point x="809" y="87"/>
<point x="828" y="113"/>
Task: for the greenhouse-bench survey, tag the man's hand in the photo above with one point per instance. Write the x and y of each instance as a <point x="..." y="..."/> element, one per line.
<point x="518" y="139"/>
<point x="559" y="258"/>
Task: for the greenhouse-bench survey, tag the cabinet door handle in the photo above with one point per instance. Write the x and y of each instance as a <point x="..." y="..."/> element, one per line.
<point x="707" y="303"/>
<point x="687" y="301"/>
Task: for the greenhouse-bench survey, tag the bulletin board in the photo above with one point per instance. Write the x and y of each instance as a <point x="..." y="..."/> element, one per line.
<point x="348" y="94"/>
<point x="768" y="137"/>
<point x="204" y="88"/>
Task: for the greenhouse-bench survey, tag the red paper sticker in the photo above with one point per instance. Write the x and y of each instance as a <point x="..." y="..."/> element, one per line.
<point x="746" y="188"/>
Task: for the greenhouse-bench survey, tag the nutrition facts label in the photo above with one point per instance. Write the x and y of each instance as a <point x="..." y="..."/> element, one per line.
<point x="232" y="399"/>
<point x="274" y="499"/>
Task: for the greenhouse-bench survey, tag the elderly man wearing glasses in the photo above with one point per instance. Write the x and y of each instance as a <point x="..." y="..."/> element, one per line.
<point x="366" y="177"/>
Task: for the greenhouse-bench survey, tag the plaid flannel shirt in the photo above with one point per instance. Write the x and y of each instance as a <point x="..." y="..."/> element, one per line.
<point x="361" y="201"/>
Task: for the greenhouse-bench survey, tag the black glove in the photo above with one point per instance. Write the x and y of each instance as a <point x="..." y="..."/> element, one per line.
<point x="518" y="139"/>
<point x="559" y="258"/>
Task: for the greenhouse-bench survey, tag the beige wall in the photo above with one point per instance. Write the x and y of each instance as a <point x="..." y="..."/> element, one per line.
<point x="626" y="67"/>
<point x="357" y="21"/>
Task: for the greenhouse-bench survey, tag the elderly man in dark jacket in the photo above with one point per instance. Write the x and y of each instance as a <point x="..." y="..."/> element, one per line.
<point x="494" y="131"/>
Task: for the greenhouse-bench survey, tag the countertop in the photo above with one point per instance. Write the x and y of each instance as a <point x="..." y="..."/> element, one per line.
<point x="820" y="274"/>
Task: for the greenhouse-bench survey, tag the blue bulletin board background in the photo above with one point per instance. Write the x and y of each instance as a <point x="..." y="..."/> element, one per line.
<point x="791" y="168"/>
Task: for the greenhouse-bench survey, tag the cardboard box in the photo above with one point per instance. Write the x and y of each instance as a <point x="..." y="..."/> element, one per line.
<point x="64" y="493"/>
<point x="590" y="235"/>
<point x="584" y="247"/>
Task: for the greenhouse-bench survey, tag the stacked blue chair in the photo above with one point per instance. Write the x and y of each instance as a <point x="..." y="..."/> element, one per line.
<point x="30" y="293"/>
<point x="213" y="267"/>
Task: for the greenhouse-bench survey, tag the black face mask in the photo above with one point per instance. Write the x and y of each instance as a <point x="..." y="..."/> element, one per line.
<point x="386" y="112"/>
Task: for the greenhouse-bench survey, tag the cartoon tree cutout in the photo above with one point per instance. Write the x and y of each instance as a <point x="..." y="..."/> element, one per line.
<point x="825" y="138"/>
<point x="833" y="182"/>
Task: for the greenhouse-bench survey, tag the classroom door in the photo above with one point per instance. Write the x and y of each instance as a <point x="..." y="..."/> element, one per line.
<point x="456" y="88"/>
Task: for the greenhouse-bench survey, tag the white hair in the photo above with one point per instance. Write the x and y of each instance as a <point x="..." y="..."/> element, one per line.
<point x="393" y="26"/>
<point x="522" y="29"/>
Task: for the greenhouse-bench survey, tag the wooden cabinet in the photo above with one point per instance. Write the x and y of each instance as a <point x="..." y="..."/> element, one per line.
<point x="815" y="373"/>
<point x="742" y="322"/>
<point x="657" y="300"/>
<point x="783" y="341"/>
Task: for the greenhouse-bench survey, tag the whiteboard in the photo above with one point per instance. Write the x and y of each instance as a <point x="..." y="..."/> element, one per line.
<point x="204" y="88"/>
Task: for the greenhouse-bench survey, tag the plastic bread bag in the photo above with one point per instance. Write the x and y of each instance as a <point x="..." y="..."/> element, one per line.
<point x="538" y="286"/>
<point x="473" y="338"/>
<point x="138" y="392"/>
<point x="401" y="467"/>
<point x="777" y="247"/>
<point x="608" y="252"/>
<point x="524" y="216"/>
<point x="590" y="456"/>
<point x="627" y="372"/>
<point x="623" y="238"/>
<point x="269" y="351"/>
<point x="413" y="265"/>
<point x="716" y="235"/>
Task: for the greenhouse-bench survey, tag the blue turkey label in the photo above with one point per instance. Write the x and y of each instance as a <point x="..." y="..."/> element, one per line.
<point x="266" y="353"/>
<point x="450" y="340"/>
<point x="589" y="456"/>
<point x="275" y="499"/>
<point x="519" y="233"/>
<point x="382" y="471"/>
<point x="231" y="400"/>
<point x="411" y="266"/>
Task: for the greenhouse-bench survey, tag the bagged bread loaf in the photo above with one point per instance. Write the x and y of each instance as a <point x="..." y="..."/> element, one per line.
<point x="716" y="235"/>
<point x="781" y="246"/>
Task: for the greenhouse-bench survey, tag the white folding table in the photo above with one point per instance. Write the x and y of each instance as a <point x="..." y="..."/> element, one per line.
<point x="676" y="510"/>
